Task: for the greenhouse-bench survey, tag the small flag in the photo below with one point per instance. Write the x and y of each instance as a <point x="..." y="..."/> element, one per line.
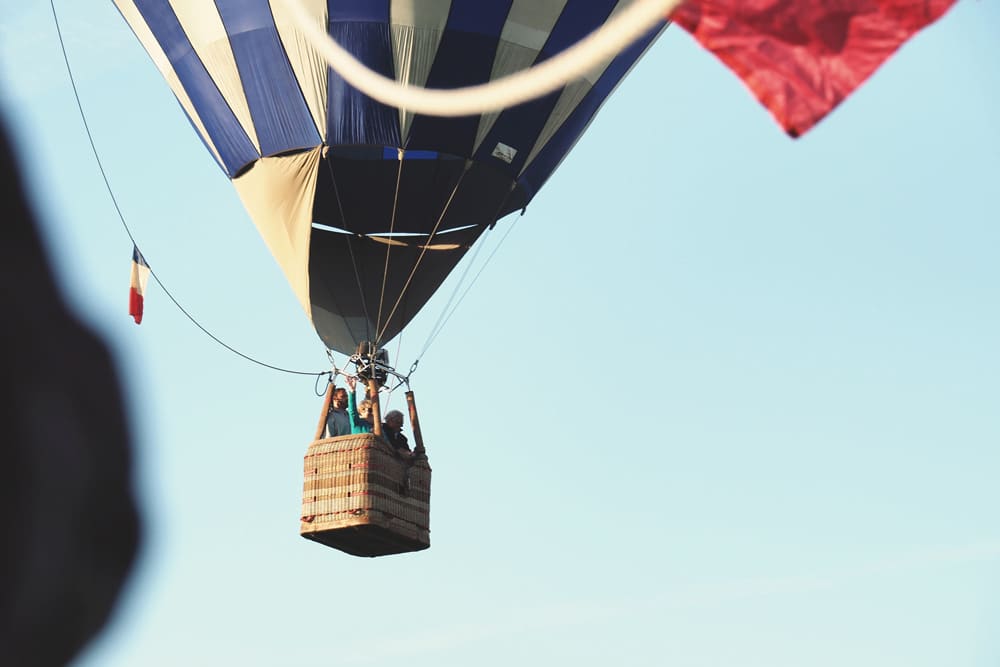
<point x="140" y="276"/>
<point x="801" y="58"/>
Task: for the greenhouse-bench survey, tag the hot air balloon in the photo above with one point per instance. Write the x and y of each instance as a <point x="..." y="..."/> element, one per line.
<point x="367" y="208"/>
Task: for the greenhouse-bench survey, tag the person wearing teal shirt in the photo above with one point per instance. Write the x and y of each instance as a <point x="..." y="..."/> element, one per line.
<point x="358" y="413"/>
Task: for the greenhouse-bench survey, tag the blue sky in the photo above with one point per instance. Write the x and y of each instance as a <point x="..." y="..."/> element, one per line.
<point x="720" y="397"/>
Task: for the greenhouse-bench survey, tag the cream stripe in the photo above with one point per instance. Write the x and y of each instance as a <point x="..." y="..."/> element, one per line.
<point x="132" y="16"/>
<point x="203" y="26"/>
<point x="529" y="22"/>
<point x="528" y="25"/>
<point x="570" y="97"/>
<point x="278" y="193"/>
<point x="416" y="34"/>
<point x="307" y="63"/>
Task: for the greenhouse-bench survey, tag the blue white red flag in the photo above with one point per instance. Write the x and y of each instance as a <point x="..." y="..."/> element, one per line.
<point x="140" y="276"/>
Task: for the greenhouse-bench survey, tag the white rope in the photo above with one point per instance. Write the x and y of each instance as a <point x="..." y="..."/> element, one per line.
<point x="619" y="32"/>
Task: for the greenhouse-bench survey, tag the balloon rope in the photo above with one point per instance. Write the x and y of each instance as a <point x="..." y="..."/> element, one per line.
<point x="451" y="298"/>
<point x="624" y="28"/>
<point x="121" y="216"/>
<point x="388" y="249"/>
<point x="439" y="328"/>
<point x="423" y="249"/>
<point x="350" y="249"/>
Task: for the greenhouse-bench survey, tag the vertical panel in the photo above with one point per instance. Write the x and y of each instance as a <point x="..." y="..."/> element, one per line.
<point x="355" y="118"/>
<point x="278" y="193"/>
<point x="357" y="11"/>
<point x="362" y="28"/>
<point x="276" y="103"/>
<point x="306" y="62"/>
<point x="478" y="16"/>
<point x="204" y="29"/>
<point x="417" y="26"/>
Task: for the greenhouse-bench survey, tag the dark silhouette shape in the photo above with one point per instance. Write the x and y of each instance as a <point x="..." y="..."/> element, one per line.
<point x="68" y="520"/>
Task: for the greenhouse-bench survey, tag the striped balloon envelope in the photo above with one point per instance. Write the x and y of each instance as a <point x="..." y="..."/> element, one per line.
<point x="367" y="208"/>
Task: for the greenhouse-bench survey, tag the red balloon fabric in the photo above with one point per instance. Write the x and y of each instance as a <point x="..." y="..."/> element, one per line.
<point x="801" y="58"/>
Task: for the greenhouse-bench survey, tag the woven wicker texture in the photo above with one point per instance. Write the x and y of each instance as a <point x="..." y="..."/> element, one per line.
<point x="361" y="497"/>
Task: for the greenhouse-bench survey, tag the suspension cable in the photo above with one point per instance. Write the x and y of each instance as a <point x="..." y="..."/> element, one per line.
<point x="423" y="250"/>
<point x="350" y="248"/>
<point x="439" y="328"/>
<point x="458" y="285"/>
<point x="388" y="249"/>
<point x="121" y="216"/>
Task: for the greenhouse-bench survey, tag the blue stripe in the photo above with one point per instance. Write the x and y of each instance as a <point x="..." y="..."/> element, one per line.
<point x="278" y="108"/>
<point x="420" y="155"/>
<point x="578" y="19"/>
<point x="355" y="118"/>
<point x="517" y="127"/>
<point x="480" y="16"/>
<point x="137" y="256"/>
<point x="464" y="58"/>
<point x="390" y="153"/>
<point x="234" y="146"/>
<point x="565" y="137"/>
<point x="358" y="11"/>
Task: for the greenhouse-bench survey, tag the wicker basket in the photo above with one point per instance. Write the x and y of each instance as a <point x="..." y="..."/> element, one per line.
<point x="363" y="498"/>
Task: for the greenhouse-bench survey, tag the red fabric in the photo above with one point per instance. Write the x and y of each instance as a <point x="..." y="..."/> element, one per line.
<point x="801" y="58"/>
<point x="135" y="305"/>
<point x="138" y="278"/>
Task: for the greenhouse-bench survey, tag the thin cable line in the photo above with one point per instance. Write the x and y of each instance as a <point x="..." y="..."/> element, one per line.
<point x="458" y="286"/>
<point x="350" y="249"/>
<point x="434" y="334"/>
<point x="388" y="248"/>
<point x="114" y="201"/>
<point x="423" y="250"/>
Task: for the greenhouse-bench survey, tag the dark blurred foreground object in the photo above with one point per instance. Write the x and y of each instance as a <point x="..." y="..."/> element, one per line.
<point x="68" y="518"/>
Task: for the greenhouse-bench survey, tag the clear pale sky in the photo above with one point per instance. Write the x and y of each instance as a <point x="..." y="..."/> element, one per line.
<point x="720" y="398"/>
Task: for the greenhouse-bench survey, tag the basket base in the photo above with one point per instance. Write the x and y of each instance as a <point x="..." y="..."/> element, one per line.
<point x="361" y="497"/>
<point x="367" y="540"/>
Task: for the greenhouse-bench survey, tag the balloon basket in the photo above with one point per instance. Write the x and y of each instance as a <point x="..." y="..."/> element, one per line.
<point x="361" y="497"/>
